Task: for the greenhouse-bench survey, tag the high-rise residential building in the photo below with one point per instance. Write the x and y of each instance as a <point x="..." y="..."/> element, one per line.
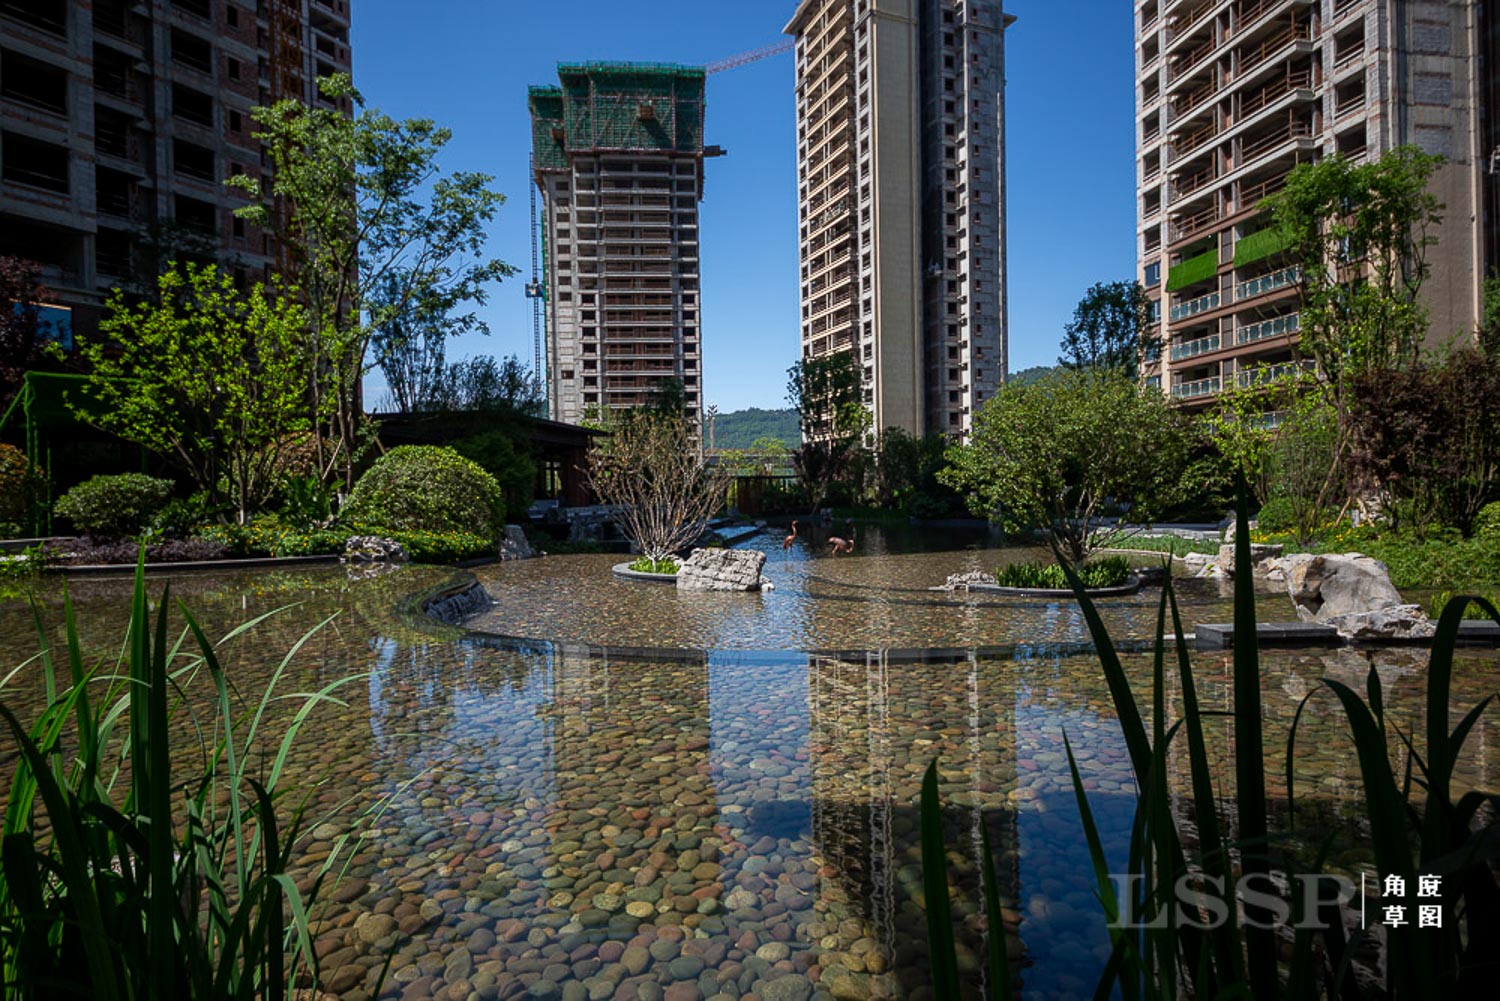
<point x="123" y="118"/>
<point x="1232" y="94"/>
<point x="901" y="201"/>
<point x="618" y="153"/>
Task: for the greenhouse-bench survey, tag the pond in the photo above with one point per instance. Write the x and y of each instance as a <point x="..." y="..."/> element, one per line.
<point x="717" y="818"/>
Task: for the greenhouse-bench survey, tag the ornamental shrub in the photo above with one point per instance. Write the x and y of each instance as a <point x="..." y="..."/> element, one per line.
<point x="1277" y="515"/>
<point x="15" y="476"/>
<point x="1487" y="522"/>
<point x="113" y="507"/>
<point x="424" y="488"/>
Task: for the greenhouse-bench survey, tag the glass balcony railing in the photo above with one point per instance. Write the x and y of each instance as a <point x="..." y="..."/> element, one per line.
<point x="1275" y="327"/>
<point x="1193" y="307"/>
<point x="1262" y="374"/>
<point x="1194" y="348"/>
<point x="1199" y="387"/>
<point x="1268" y="283"/>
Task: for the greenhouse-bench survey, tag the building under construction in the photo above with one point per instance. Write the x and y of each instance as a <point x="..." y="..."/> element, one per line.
<point x="618" y="153"/>
<point x="121" y="121"/>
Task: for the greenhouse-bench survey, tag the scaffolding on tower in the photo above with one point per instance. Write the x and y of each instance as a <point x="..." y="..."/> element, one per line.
<point x="285" y="55"/>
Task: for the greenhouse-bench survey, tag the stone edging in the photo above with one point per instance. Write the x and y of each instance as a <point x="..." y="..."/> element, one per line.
<point x="1131" y="586"/>
<point x="623" y="572"/>
<point x="451" y="605"/>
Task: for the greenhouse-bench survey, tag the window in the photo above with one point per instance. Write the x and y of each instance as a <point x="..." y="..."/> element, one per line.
<point x="31" y="81"/>
<point x="49" y="15"/>
<point x="234" y="69"/>
<point x="232" y="15"/>
<point x="192" y="105"/>
<point x="236" y="122"/>
<point x="191" y="51"/>
<point x="34" y="163"/>
<point x="192" y="160"/>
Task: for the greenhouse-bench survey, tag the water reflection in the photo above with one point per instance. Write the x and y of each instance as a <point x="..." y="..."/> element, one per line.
<point x="554" y="814"/>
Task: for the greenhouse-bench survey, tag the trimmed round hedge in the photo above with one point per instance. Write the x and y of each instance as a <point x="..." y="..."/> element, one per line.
<point x="113" y="507"/>
<point x="425" y="488"/>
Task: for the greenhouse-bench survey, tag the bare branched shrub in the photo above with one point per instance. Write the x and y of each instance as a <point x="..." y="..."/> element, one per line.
<point x="651" y="469"/>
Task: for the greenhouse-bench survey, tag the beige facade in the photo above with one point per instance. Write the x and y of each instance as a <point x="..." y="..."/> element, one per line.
<point x="121" y="121"/>
<point x="901" y="184"/>
<point x="1231" y="96"/>
<point x="618" y="151"/>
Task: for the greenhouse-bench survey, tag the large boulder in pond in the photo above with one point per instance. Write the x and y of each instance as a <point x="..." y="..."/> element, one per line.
<point x="1330" y="586"/>
<point x="721" y="570"/>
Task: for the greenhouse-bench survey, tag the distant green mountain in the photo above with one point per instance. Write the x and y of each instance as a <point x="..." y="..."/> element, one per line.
<point x="1032" y="374"/>
<point x="740" y="428"/>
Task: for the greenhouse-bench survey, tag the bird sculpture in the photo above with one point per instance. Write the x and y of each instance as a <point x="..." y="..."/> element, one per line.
<point x="838" y="545"/>
<point x="786" y="543"/>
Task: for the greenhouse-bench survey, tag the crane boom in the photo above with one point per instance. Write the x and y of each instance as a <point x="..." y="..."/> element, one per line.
<point x="753" y="56"/>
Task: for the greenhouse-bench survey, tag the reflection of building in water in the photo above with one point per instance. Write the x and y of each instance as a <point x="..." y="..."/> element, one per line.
<point x="626" y="735"/>
<point x="867" y="768"/>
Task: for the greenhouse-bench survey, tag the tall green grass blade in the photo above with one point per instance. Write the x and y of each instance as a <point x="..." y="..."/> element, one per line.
<point x="942" y="950"/>
<point x="1115" y="971"/>
<point x="1136" y="742"/>
<point x="1249" y="753"/>
<point x="1408" y="961"/>
<point x="1002" y="988"/>
<point x="73" y="862"/>
<point x="1215" y="859"/>
<point x="1442" y="747"/>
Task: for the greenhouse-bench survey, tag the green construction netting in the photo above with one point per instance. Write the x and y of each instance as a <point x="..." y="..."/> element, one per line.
<point x="623" y="106"/>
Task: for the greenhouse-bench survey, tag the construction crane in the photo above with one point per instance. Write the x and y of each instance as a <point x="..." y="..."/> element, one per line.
<point x="536" y="289"/>
<point x="753" y="56"/>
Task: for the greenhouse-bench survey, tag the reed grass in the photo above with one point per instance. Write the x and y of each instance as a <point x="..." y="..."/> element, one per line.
<point x="134" y="869"/>
<point x="1416" y="826"/>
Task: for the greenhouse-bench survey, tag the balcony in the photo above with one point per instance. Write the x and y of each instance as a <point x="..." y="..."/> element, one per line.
<point x="1279" y="326"/>
<point x="1194" y="348"/>
<point x="1290" y="35"/>
<point x="1185" y="227"/>
<point x="1193" y="307"/>
<point x="1271" y="143"/>
<point x="1184" y="186"/>
<point x="1273" y="92"/>
<point x="1197" y="388"/>
<point x="1267" y="283"/>
<point x="1260" y="375"/>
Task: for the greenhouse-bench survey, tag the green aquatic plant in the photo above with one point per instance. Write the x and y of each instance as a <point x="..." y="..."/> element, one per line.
<point x="1106" y="571"/>
<point x="663" y="566"/>
<point x="133" y="868"/>
<point x="1224" y="940"/>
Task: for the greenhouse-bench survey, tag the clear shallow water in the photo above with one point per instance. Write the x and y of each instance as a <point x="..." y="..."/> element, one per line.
<point x="703" y="823"/>
<point x="880" y="597"/>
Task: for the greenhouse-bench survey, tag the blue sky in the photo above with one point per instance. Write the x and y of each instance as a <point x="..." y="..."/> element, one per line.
<point x="1070" y="140"/>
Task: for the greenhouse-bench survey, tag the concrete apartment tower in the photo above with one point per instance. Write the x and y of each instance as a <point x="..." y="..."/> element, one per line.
<point x="122" y="118"/>
<point x="1231" y="96"/>
<point x="901" y="201"/>
<point x="618" y="153"/>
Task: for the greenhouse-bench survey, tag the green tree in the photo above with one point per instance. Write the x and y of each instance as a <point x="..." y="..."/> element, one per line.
<point x="825" y="393"/>
<point x="376" y="231"/>
<point x="209" y="376"/>
<point x="1064" y="452"/>
<point x="1109" y="329"/>
<point x="1360" y="233"/>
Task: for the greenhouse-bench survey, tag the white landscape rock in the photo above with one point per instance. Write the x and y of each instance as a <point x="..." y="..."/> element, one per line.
<point x="1354" y="594"/>
<point x="1260" y="552"/>
<point x="721" y="570"/>
<point x="373" y="549"/>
